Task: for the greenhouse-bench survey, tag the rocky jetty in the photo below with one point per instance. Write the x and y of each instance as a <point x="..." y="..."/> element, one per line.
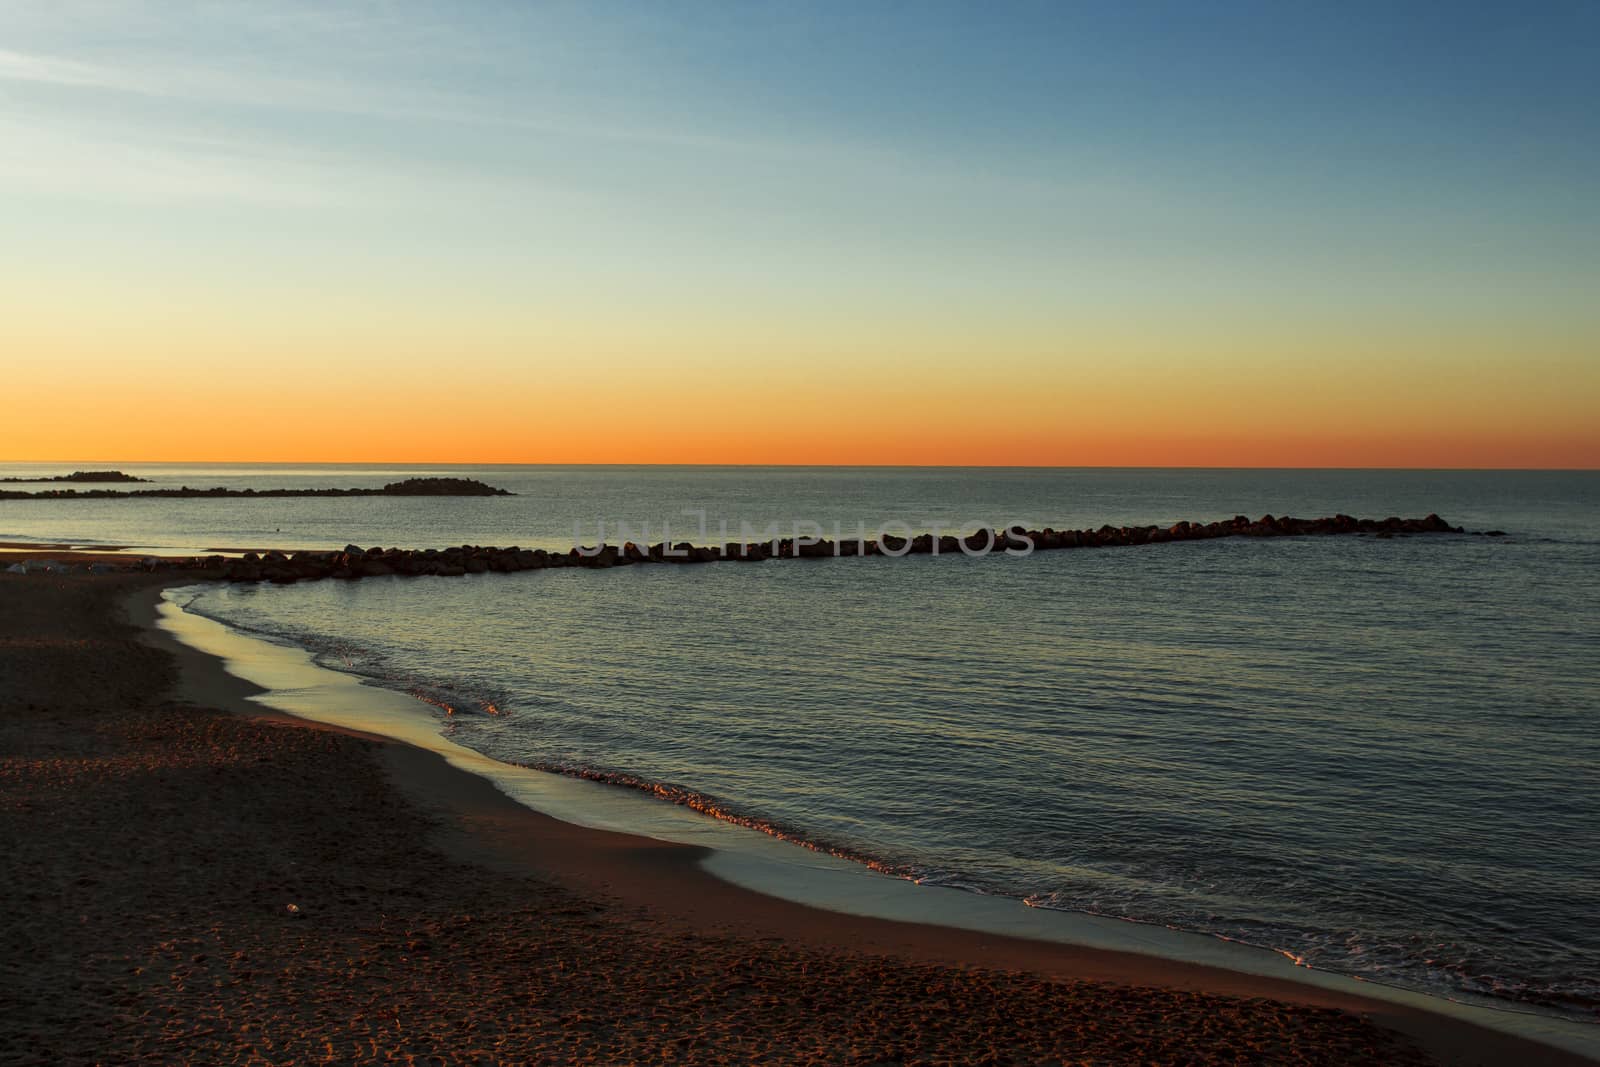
<point x="355" y="562"/>
<point x="408" y="487"/>
<point x="83" y="476"/>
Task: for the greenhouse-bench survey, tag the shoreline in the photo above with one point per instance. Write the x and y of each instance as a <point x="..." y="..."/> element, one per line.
<point x="160" y="823"/>
<point x="672" y="879"/>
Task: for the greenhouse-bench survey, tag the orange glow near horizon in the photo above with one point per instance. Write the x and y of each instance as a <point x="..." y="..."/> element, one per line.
<point x="146" y="381"/>
<point x="987" y="422"/>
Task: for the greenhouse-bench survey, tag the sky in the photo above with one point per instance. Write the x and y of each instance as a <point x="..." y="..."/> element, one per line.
<point x="1126" y="234"/>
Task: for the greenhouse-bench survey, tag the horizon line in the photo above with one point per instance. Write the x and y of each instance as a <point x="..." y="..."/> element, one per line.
<point x="793" y="466"/>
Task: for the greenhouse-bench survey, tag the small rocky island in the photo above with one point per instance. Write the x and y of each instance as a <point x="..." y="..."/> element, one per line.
<point x="441" y="487"/>
<point x="408" y="487"/>
<point x="83" y="476"/>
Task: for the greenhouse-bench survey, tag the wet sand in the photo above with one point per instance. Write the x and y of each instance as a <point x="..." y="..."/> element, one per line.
<point x="191" y="879"/>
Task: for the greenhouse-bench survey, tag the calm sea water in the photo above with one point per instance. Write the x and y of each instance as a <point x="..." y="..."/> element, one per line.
<point x="1378" y="756"/>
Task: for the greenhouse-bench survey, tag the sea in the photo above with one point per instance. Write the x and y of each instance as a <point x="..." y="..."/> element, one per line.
<point x="1378" y="757"/>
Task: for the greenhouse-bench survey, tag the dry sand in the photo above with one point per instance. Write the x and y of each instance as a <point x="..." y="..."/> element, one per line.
<point x="185" y="883"/>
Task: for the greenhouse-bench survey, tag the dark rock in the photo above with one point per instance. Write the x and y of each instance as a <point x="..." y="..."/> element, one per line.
<point x="408" y="487"/>
<point x="981" y="541"/>
<point x="442" y="487"/>
<point x="83" y="476"/>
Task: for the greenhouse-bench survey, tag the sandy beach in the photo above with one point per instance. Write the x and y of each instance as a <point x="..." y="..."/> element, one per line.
<point x="190" y="879"/>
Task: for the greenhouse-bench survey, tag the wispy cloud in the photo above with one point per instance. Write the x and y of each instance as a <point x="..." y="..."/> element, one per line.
<point x="432" y="99"/>
<point x="53" y="70"/>
<point x="55" y="159"/>
<point x="193" y="82"/>
<point x="273" y="92"/>
<point x="71" y="145"/>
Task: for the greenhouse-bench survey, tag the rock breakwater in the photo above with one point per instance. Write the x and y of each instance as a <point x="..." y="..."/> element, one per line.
<point x="354" y="562"/>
